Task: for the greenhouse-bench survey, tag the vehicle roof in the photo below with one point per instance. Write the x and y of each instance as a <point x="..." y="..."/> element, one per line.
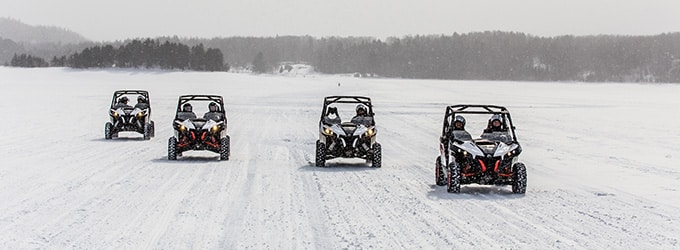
<point x="477" y="109"/>
<point x="347" y="99"/>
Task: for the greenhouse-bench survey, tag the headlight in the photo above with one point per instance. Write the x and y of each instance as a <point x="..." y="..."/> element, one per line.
<point x="140" y="114"/>
<point x="214" y="128"/>
<point x="327" y="131"/>
<point x="182" y="128"/>
<point x="370" y="132"/>
<point x="114" y="114"/>
<point x="461" y="151"/>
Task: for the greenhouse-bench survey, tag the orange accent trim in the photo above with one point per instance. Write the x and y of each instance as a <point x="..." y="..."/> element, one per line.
<point x="495" y="169"/>
<point x="505" y="175"/>
<point x="481" y="163"/>
<point x="468" y="175"/>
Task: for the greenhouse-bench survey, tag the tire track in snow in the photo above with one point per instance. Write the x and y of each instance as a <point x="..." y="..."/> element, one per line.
<point x="463" y="224"/>
<point x="47" y="198"/>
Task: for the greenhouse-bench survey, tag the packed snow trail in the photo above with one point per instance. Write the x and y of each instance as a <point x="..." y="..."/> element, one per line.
<point x="601" y="161"/>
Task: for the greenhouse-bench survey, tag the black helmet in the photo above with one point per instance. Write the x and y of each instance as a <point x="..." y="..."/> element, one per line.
<point x="361" y="107"/>
<point x="332" y="110"/>
<point x="495" y="117"/>
<point x="460" y="119"/>
<point x="123" y="99"/>
<point x="141" y="99"/>
<point x="212" y="107"/>
<point x="187" y="107"/>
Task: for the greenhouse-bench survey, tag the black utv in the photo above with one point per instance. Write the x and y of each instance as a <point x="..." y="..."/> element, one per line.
<point x="491" y="159"/>
<point x="355" y="138"/>
<point x="208" y="132"/>
<point x="125" y="117"/>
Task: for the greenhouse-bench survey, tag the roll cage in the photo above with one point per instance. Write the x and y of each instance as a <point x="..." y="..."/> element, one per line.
<point x="347" y="99"/>
<point x="117" y="94"/>
<point x="453" y="110"/>
<point x="120" y="93"/>
<point x="208" y="98"/>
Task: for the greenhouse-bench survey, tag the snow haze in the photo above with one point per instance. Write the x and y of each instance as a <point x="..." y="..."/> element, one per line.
<point x="117" y="20"/>
<point x="602" y="163"/>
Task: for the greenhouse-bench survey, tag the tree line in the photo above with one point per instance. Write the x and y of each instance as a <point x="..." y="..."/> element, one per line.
<point x="472" y="56"/>
<point x="28" y="61"/>
<point x="146" y="53"/>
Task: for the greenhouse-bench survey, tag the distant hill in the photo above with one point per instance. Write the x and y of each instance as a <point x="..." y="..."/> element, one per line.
<point x="23" y="33"/>
<point x="8" y="48"/>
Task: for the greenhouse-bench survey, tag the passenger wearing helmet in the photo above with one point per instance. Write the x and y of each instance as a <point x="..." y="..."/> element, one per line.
<point x="213" y="112"/>
<point x="495" y="124"/>
<point x="122" y="103"/>
<point x="496" y="130"/>
<point x="186" y="113"/>
<point x="362" y="116"/>
<point x="142" y="103"/>
<point x="458" y="131"/>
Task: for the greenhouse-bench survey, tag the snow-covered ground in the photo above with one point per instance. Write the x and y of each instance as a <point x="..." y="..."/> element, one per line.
<point x="602" y="167"/>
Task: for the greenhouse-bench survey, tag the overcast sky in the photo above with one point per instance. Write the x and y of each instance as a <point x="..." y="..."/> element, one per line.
<point x="120" y="19"/>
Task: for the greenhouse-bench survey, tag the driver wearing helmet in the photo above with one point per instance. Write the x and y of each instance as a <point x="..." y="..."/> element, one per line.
<point x="142" y="103"/>
<point x="186" y="113"/>
<point x="458" y="130"/>
<point x="459" y="123"/>
<point x="362" y="116"/>
<point x="122" y="103"/>
<point x="213" y="112"/>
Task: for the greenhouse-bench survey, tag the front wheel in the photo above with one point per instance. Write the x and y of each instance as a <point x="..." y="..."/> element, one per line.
<point x="439" y="173"/>
<point x="320" y="154"/>
<point x="108" y="131"/>
<point x="377" y="155"/>
<point x="172" y="149"/>
<point x="225" y="148"/>
<point x="148" y="129"/>
<point x="519" y="178"/>
<point x="453" y="179"/>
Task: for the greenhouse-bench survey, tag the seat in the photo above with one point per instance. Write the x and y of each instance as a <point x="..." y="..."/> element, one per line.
<point x="183" y="115"/>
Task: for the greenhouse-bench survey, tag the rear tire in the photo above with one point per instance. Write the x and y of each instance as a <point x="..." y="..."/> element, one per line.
<point x="320" y="154"/>
<point x="225" y="148"/>
<point x="519" y="177"/>
<point x="153" y="129"/>
<point x="377" y="155"/>
<point x="453" y="179"/>
<point x="172" y="148"/>
<point x="108" y="131"/>
<point x="148" y="128"/>
<point x="439" y="173"/>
